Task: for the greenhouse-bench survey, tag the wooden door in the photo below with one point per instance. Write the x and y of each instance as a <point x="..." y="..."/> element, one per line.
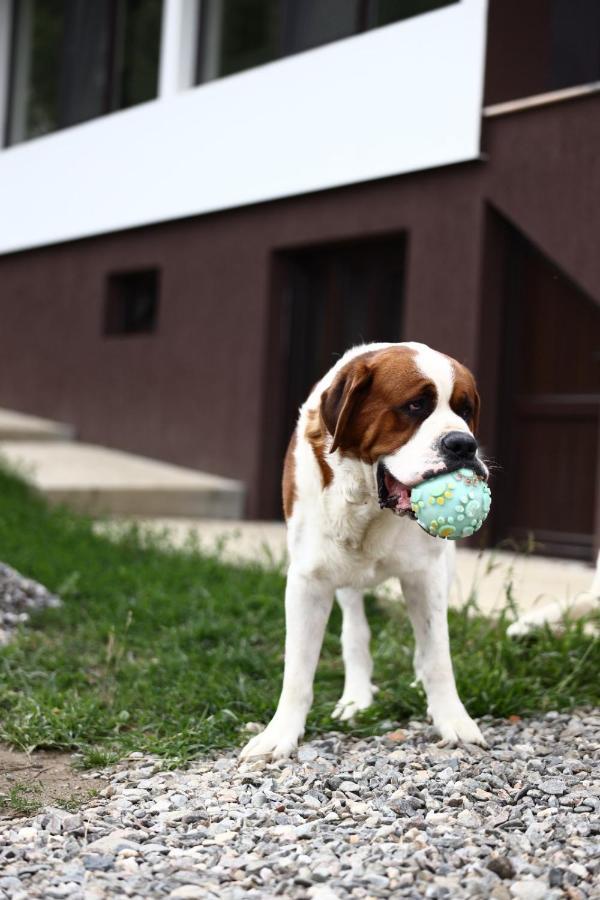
<point x="550" y="420"/>
<point x="325" y="300"/>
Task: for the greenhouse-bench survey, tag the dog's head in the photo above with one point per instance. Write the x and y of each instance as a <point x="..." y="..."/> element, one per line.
<point x="409" y="411"/>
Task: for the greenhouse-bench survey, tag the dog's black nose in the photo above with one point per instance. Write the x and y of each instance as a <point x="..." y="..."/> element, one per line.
<point x="459" y="445"/>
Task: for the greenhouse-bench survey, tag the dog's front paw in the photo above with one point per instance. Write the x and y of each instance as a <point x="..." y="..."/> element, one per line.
<point x="458" y="727"/>
<point x="275" y="742"/>
<point x="352" y="702"/>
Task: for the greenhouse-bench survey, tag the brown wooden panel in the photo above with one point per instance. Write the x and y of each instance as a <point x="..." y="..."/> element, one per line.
<point x="550" y="417"/>
<point x="560" y="349"/>
<point x="553" y="476"/>
<point x="549" y="406"/>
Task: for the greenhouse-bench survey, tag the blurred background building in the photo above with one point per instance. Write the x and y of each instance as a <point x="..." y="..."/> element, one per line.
<point x="204" y="202"/>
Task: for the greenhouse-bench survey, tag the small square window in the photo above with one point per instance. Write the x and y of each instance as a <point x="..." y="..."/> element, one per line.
<point x="132" y="302"/>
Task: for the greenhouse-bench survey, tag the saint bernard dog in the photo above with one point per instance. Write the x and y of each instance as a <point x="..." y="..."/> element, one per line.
<point x="383" y="419"/>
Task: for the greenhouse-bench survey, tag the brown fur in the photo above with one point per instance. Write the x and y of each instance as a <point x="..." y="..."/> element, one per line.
<point x="463" y="393"/>
<point x="315" y="435"/>
<point x="363" y="406"/>
<point x="288" y="485"/>
<point x="363" y="411"/>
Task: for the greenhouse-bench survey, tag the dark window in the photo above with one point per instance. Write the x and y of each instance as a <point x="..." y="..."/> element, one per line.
<point x="132" y="302"/>
<point x="73" y="60"/>
<point x="239" y="34"/>
<point x="575" y="51"/>
<point x="540" y="46"/>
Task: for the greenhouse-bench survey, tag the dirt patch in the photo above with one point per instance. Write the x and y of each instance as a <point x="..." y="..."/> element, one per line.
<point x="29" y="781"/>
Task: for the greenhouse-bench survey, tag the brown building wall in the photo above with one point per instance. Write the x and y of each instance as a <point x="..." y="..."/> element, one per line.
<point x="543" y="178"/>
<point x="197" y="391"/>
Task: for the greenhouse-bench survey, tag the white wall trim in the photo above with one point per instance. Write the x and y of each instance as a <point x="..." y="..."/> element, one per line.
<point x="397" y="99"/>
<point x="535" y="101"/>
<point x="178" y="46"/>
<point x="5" y="33"/>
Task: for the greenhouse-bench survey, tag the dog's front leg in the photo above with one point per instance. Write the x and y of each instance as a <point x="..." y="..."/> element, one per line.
<point x="308" y="602"/>
<point x="426" y="596"/>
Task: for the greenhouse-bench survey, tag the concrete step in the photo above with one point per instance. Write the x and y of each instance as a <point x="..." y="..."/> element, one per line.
<point x="99" y="481"/>
<point x="16" y="426"/>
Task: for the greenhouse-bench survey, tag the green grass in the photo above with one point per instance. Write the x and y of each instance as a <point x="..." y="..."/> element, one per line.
<point x="21" y="800"/>
<point x="172" y="652"/>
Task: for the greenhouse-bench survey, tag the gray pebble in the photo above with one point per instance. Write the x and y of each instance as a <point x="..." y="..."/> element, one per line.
<point x="553" y="786"/>
<point x="529" y="890"/>
<point x="348" y="819"/>
<point x="98" y="862"/>
<point x="18" y="597"/>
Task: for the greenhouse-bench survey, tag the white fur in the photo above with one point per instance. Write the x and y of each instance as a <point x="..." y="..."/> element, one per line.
<point x="340" y="541"/>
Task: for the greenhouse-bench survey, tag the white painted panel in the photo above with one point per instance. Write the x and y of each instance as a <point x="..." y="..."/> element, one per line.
<point x="393" y="100"/>
<point x="178" y="40"/>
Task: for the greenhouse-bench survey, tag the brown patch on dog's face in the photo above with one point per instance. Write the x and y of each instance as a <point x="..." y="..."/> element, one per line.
<point x="288" y="485"/>
<point x="316" y="437"/>
<point x="465" y="399"/>
<point x="376" y="403"/>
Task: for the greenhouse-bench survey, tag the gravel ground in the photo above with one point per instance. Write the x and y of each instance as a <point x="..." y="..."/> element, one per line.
<point x="391" y="816"/>
<point x="18" y="597"/>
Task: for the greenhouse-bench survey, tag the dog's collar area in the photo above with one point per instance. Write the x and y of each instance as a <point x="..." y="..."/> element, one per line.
<point x="393" y="494"/>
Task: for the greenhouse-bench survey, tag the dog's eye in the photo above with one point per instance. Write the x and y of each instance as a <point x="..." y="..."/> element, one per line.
<point x="418" y="407"/>
<point x="466" y="412"/>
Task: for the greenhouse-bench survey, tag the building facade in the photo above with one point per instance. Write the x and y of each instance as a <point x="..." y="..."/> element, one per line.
<point x="201" y="205"/>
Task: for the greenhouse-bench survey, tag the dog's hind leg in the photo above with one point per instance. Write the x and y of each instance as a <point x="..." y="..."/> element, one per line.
<point x="358" y="690"/>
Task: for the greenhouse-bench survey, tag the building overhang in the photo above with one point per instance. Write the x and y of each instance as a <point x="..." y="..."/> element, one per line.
<point x="398" y="99"/>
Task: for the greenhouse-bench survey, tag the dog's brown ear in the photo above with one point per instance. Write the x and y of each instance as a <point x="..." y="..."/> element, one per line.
<point x="340" y="400"/>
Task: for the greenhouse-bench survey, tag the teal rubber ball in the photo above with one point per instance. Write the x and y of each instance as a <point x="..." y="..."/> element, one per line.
<point x="453" y="505"/>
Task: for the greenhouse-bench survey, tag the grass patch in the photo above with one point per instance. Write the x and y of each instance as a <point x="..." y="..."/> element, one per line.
<point x="75" y="801"/>
<point x="21" y="800"/>
<point x="172" y="652"/>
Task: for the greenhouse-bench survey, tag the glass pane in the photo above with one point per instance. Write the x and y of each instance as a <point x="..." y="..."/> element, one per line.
<point x="38" y="36"/>
<point x="138" y="76"/>
<point x="73" y="60"/>
<point x="237" y="35"/>
<point x="310" y="23"/>
<point x="59" y="65"/>
<point x="85" y="59"/>
<point x="384" y="12"/>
